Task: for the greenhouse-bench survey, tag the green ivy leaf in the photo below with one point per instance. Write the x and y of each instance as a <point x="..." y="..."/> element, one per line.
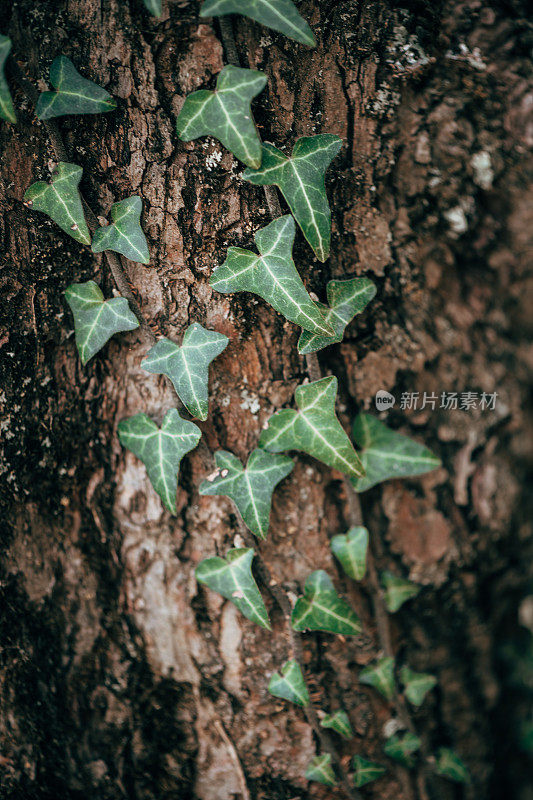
<point x="73" y="95"/>
<point x="271" y="275"/>
<point x="226" y="113"/>
<point x="232" y="578"/>
<point x="320" y="770"/>
<point x="366" y="771"/>
<point x="314" y="428"/>
<point x="401" y="747"/>
<point x="188" y="366"/>
<point x="250" y="488"/>
<point x="160" y="449"/>
<point x="350" y="549"/>
<point x="321" y="608"/>
<point x="449" y="765"/>
<point x="346" y="299"/>
<point x="300" y="179"/>
<point x="338" y="722"/>
<point x="280" y="15"/>
<point x="397" y="591"/>
<point x="125" y="235"/>
<point x="387" y="454"/>
<point x="96" y="320"/>
<point x="155" y="7"/>
<point x="7" y="110"/>
<point x="290" y="685"/>
<point x="61" y="201"/>
<point x="417" y="684"/>
<point x="380" y="677"/>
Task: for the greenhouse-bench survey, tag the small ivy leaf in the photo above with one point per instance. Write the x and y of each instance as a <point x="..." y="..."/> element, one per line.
<point x="7" y="111"/>
<point x="320" y="770"/>
<point x="155" y="7"/>
<point x="73" y="95"/>
<point x="300" y="179"/>
<point x="321" y="608"/>
<point x="251" y="487"/>
<point x="232" y="578"/>
<point x="96" y="320"/>
<point x="338" y="722"/>
<point x="402" y="747"/>
<point x="416" y="684"/>
<point x="386" y="454"/>
<point x="290" y="685"/>
<point x="314" y="428"/>
<point x="449" y="765"/>
<point x="125" y="235"/>
<point x="380" y="676"/>
<point x="61" y="201"/>
<point x="271" y="275"/>
<point x="226" y="113"/>
<point x="346" y="299"/>
<point x="188" y="366"/>
<point x="366" y="771"/>
<point x="397" y="591"/>
<point x="350" y="549"/>
<point x="280" y="15"/>
<point x="160" y="449"/>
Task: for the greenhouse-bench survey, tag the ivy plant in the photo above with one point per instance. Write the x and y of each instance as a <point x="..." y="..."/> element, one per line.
<point x="7" y="110"/>
<point x="338" y="722"/>
<point x="73" y="93"/>
<point x="449" y="765"/>
<point x="380" y="676"/>
<point x="155" y="7"/>
<point x="351" y="549"/>
<point x="61" y="201"/>
<point x="366" y="771"/>
<point x="401" y="747"/>
<point x="280" y="15"/>
<point x="321" y="609"/>
<point x="125" y="235"/>
<point x="289" y="684"/>
<point x="320" y="770"/>
<point x="416" y="684"/>
<point x="397" y="591"/>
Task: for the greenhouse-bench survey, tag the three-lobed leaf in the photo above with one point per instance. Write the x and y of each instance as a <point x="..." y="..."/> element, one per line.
<point x="380" y="676"/>
<point x="397" y="591"/>
<point x="160" y="449"/>
<point x="125" y="235"/>
<point x="188" y="366"/>
<point x="96" y="320"/>
<point x="300" y="179"/>
<point x="320" y="770"/>
<point x="280" y="15"/>
<point x="449" y="765"/>
<point x="338" y="722"/>
<point x="7" y="110"/>
<point x="61" y="200"/>
<point x="232" y="578"/>
<point x="401" y="747"/>
<point x="289" y="684"/>
<point x="321" y="609"/>
<point x="366" y="771"/>
<point x="351" y="549"/>
<point x="416" y="684"/>
<point x="74" y="94"/>
<point x="249" y="487"/>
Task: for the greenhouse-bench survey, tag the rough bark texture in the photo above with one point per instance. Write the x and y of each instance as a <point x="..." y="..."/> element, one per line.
<point x="119" y="676"/>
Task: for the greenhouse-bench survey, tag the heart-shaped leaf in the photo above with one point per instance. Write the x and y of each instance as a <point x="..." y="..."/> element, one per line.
<point x="280" y="15"/>
<point x="73" y="95"/>
<point x="251" y="487"/>
<point x="366" y="771"/>
<point x="314" y="428"/>
<point x="321" y="608"/>
<point x="346" y="299"/>
<point x="160" y="449"/>
<point x="232" y="578"/>
<point x="96" y="320"/>
<point x="397" y="591"/>
<point x="350" y="549"/>
<point x="290" y="684"/>
<point x="416" y="684"/>
<point x="125" y="235"/>
<point x="300" y="179"/>
<point x="155" y="7"/>
<point x="61" y="201"/>
<point x="188" y="366"/>
<point x="226" y="113"/>
<point x="338" y="722"/>
<point x="401" y="747"/>
<point x="320" y="770"/>
<point x="7" y="110"/>
<point x="386" y="454"/>
<point x="272" y="275"/>
<point x="449" y="765"/>
<point x="380" y="676"/>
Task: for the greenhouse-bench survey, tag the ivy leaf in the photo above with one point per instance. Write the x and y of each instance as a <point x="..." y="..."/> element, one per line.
<point x="417" y="684"/>
<point x="338" y="722"/>
<point x="125" y="235"/>
<point x="160" y="449"/>
<point x="250" y="488"/>
<point x="61" y="200"/>
<point x="188" y="366"/>
<point x="271" y="275"/>
<point x="226" y="113"/>
<point x="320" y="770"/>
<point x="155" y="7"/>
<point x="232" y="578"/>
<point x="380" y="676"/>
<point x="7" y="110"/>
<point x="449" y="765"/>
<point x="300" y="179"/>
<point x="314" y="428"/>
<point x="96" y="320"/>
<point x="321" y="608"/>
<point x="73" y="95"/>
<point x="386" y="454"/>
<point x="290" y="685"/>
<point x="280" y="15"/>
<point x="346" y="299"/>
<point x="350" y="549"/>
<point x="366" y="771"/>
<point x="401" y="747"/>
<point x="397" y="591"/>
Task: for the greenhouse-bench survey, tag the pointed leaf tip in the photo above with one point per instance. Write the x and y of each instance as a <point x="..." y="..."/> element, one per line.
<point x="401" y="747"/>
<point x="351" y="549"/>
<point x="366" y="771"/>
<point x="74" y="94"/>
<point x="125" y="235"/>
<point x="7" y="110"/>
<point x="321" y="609"/>
<point x="61" y="201"/>
<point x="416" y="684"/>
<point x="280" y="15"/>
<point x="320" y="770"/>
<point x="380" y="676"/>
<point x="290" y="684"/>
<point x="397" y="591"/>
<point x="449" y="765"/>
<point x="338" y="722"/>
